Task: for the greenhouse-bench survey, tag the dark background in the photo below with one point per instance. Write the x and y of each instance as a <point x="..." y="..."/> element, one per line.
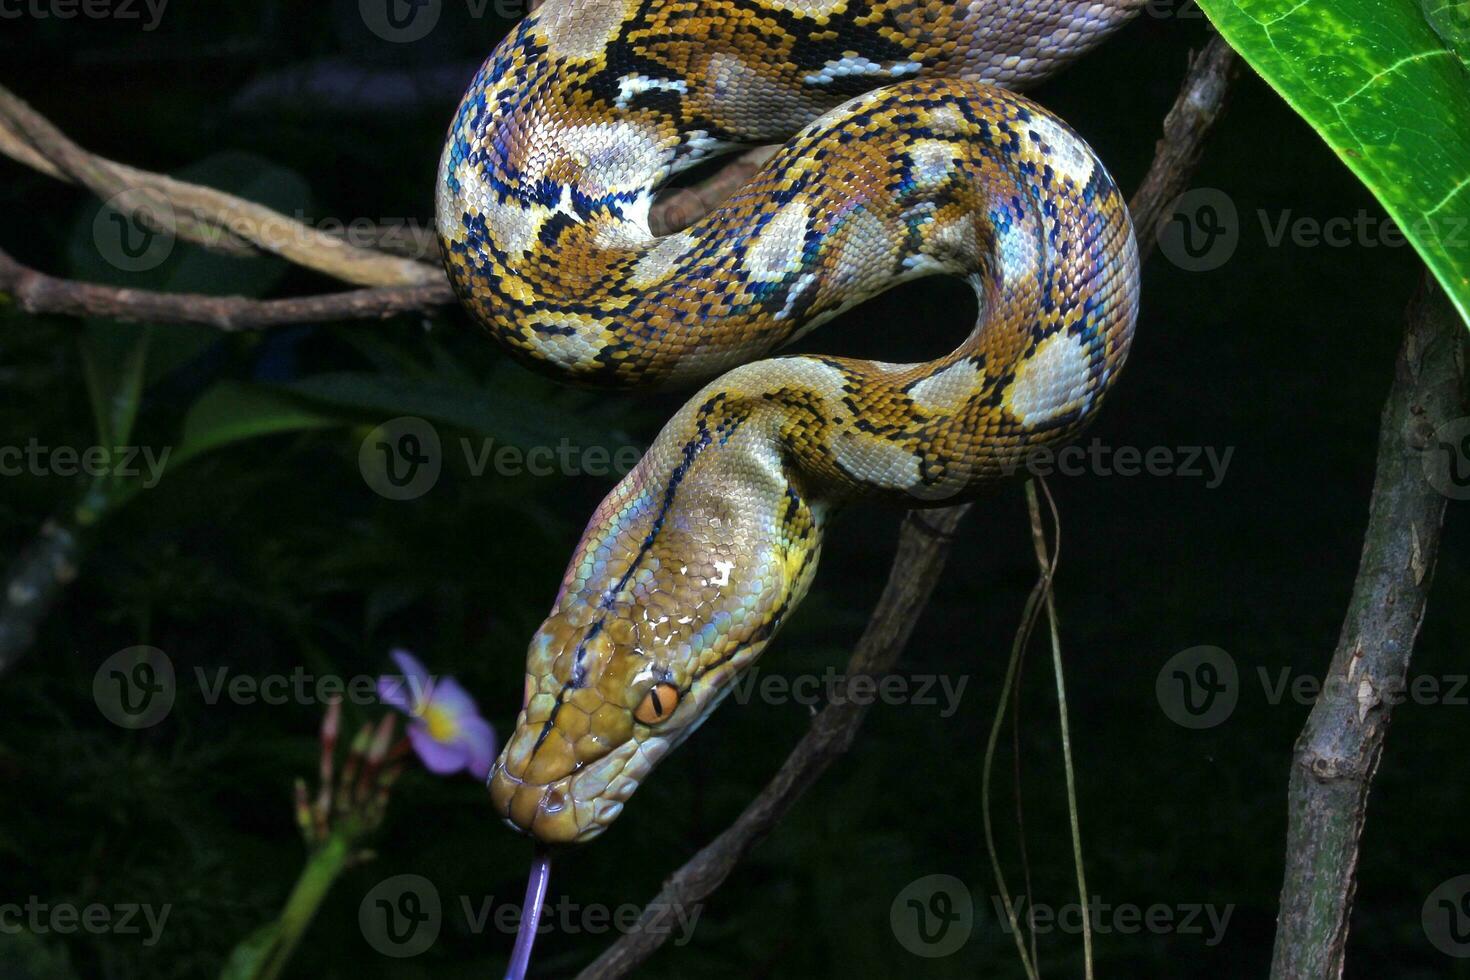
<point x="275" y="554"/>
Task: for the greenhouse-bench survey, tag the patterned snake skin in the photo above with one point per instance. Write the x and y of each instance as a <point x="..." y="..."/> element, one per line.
<point x="907" y="161"/>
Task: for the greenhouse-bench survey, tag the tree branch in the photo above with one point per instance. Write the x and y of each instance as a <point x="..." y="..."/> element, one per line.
<point x="36" y="292"/>
<point x="923" y="549"/>
<point x="1339" y="749"/>
<point x="33" y="583"/>
<point x="203" y="215"/>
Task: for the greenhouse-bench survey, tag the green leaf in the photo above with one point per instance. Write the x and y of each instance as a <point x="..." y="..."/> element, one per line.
<point x="114" y="358"/>
<point x="472" y="407"/>
<point x="232" y="412"/>
<point x="1383" y="82"/>
<point x="1451" y="21"/>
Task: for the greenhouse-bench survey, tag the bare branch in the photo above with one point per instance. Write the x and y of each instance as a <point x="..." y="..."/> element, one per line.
<point x="1197" y="107"/>
<point x="1338" y="752"/>
<point x="33" y="583"/>
<point x="922" y="551"/>
<point x="36" y="292"/>
<point x="198" y="214"/>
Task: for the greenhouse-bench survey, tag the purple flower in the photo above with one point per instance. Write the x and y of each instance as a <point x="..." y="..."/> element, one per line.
<point x="447" y="731"/>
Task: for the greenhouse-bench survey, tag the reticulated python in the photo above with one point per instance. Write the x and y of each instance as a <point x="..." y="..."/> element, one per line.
<point x="907" y="161"/>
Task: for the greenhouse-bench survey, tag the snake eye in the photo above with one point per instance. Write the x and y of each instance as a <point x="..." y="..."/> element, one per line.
<point x="658" y="704"/>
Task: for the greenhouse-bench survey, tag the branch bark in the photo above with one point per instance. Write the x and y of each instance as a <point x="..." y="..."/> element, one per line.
<point x="36" y="292"/>
<point x="33" y="583"/>
<point x="1338" y="752"/>
<point x="922" y="551"/>
<point x="199" y="214"/>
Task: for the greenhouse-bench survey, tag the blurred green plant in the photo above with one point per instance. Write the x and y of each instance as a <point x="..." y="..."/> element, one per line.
<point x="346" y="811"/>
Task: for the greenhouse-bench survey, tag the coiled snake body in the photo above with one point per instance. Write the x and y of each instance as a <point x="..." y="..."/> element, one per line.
<point x="907" y="161"/>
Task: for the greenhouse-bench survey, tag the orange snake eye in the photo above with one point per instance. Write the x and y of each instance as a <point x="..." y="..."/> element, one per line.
<point x="658" y="704"/>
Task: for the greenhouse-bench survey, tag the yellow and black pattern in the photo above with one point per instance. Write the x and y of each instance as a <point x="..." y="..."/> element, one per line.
<point x="908" y="160"/>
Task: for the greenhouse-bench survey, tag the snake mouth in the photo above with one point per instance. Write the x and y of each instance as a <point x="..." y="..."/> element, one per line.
<point x="577" y="807"/>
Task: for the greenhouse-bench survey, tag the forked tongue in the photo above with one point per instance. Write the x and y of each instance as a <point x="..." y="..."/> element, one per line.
<point x="520" y="957"/>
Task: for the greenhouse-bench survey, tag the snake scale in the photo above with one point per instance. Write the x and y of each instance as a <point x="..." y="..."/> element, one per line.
<point x="906" y="154"/>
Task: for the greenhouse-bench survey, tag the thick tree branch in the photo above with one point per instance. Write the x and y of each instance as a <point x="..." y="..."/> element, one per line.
<point x="922" y="551"/>
<point x="1339" y="749"/>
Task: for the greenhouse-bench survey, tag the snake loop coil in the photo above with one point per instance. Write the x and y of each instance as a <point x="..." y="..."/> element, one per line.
<point x="906" y="154"/>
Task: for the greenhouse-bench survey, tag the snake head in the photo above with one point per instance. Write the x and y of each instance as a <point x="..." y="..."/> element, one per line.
<point x="598" y="714"/>
<point x="668" y="599"/>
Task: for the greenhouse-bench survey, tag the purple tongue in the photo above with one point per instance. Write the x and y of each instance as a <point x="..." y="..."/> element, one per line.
<point x="520" y="957"/>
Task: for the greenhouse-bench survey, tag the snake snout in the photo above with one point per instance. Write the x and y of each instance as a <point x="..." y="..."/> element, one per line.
<point x="574" y="808"/>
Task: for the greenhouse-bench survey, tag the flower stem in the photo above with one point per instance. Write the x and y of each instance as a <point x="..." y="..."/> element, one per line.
<point x="321" y="872"/>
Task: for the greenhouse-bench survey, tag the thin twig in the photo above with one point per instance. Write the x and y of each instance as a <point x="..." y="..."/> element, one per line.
<point x="1048" y="559"/>
<point x="923" y="547"/>
<point x="195" y="213"/>
<point x="1010" y="695"/>
<point x="1339" y="749"/>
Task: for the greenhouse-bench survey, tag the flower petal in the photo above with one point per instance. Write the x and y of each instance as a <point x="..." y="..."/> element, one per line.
<point x="438" y="757"/>
<point x="478" y="738"/>
<point x="395" y="691"/>
<point x="413" y="686"/>
<point x="446" y="694"/>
